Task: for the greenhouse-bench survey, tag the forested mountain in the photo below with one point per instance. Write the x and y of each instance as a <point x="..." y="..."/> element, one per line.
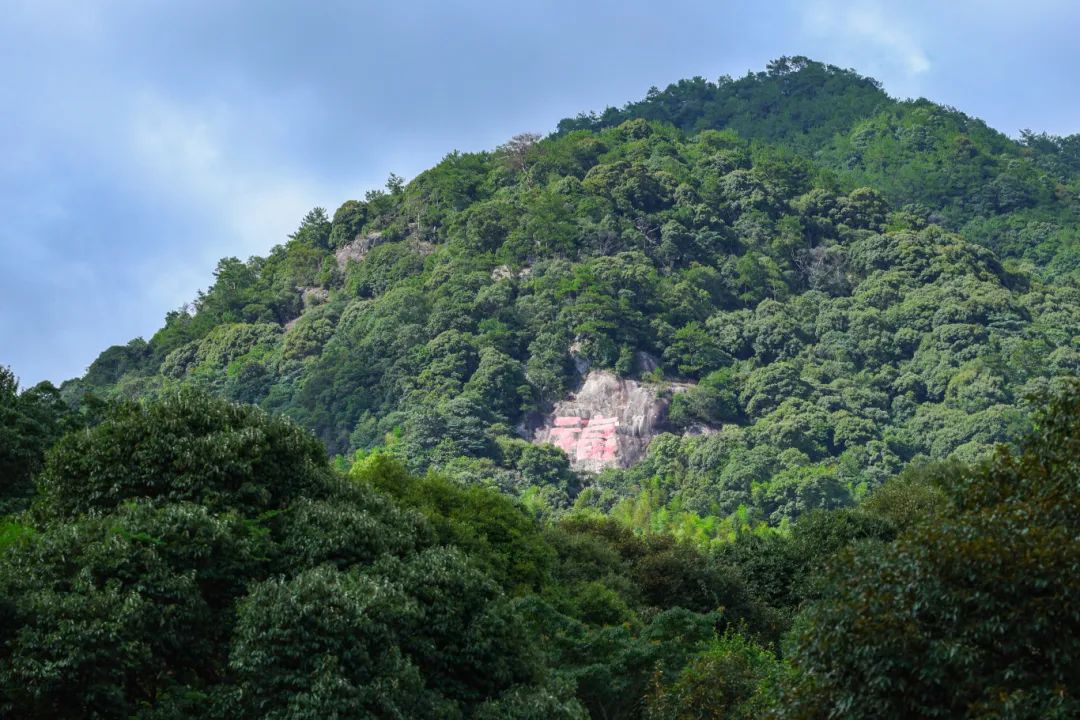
<point x="850" y="283"/>
<point x="842" y="303"/>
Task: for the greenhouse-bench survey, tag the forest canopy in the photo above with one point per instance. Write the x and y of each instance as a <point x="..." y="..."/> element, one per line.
<point x="850" y="284"/>
<point x="275" y="586"/>
<point x="313" y="491"/>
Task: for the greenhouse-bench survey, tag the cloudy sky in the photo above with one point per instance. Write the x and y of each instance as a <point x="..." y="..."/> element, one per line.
<point x="140" y="141"/>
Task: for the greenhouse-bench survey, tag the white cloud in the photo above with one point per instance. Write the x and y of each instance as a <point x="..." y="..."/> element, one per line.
<point x="199" y="156"/>
<point x="200" y="163"/>
<point x="868" y="25"/>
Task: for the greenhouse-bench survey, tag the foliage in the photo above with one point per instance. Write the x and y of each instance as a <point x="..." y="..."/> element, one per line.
<point x="497" y="533"/>
<point x="850" y="301"/>
<point x="870" y="282"/>
<point x="186" y="448"/>
<point x="730" y="678"/>
<point x="192" y="556"/>
<point x="30" y="422"/>
<point x="972" y="615"/>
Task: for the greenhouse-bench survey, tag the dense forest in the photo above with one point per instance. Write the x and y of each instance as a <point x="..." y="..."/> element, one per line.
<point x="851" y="283"/>
<point x="312" y="493"/>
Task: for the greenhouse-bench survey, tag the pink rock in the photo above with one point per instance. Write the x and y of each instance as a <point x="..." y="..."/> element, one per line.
<point x="598" y="440"/>
<point x="565" y="438"/>
<point x="607" y="421"/>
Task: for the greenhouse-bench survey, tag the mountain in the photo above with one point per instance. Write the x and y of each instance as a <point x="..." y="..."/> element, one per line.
<point x="688" y="409"/>
<point x="809" y="285"/>
<point x="932" y="161"/>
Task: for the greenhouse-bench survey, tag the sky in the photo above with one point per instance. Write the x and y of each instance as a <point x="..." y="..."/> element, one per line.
<point x="141" y="141"/>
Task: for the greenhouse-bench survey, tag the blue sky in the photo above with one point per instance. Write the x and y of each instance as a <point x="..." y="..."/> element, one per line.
<point x="141" y="141"/>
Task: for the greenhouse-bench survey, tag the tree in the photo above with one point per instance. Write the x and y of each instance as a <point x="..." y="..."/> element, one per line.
<point x="30" y="422"/>
<point x="349" y="220"/>
<point x="730" y="678"/>
<point x="186" y="447"/>
<point x="324" y="644"/>
<point x="395" y="184"/>
<point x="104" y="615"/>
<point x="496" y="532"/>
<point x="973" y="615"/>
<point x="694" y="352"/>
<point x="192" y="558"/>
<point x="314" y="229"/>
<point x="517" y="150"/>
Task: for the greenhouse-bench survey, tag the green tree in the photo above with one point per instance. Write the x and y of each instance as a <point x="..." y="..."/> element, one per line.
<point x="187" y="447"/>
<point x="30" y="422"/>
<point x="973" y="615"/>
<point x="324" y="644"/>
<point x="731" y="678"/>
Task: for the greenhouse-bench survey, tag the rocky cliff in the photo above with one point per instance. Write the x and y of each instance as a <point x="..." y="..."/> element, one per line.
<point x="608" y="422"/>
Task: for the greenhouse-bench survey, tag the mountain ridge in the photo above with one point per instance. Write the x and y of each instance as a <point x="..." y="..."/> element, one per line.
<point x="847" y="295"/>
<point x="629" y="423"/>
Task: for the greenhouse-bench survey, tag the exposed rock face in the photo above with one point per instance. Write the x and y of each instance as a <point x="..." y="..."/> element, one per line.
<point x="357" y="249"/>
<point x="504" y="272"/>
<point x="313" y="295"/>
<point x="422" y="247"/>
<point x="645" y="362"/>
<point x="607" y="423"/>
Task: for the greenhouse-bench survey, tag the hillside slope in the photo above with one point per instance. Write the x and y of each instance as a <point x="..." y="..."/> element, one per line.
<point x="848" y="284"/>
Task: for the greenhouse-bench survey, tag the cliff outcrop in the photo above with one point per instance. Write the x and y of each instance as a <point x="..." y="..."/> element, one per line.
<point x="608" y="422"/>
